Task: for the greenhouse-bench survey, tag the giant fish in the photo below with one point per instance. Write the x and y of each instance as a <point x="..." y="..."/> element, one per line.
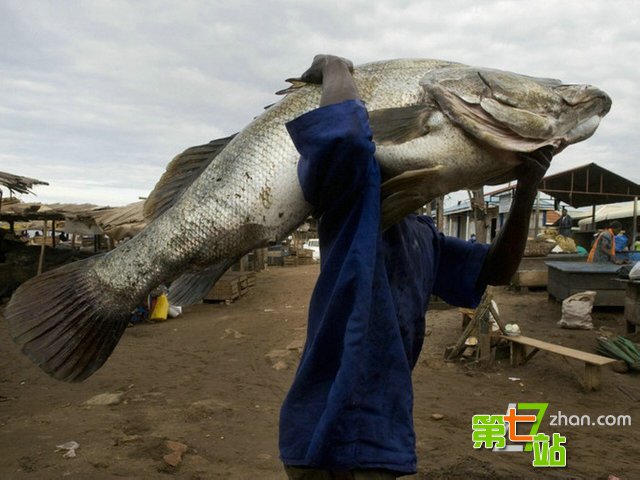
<point x="438" y="127"/>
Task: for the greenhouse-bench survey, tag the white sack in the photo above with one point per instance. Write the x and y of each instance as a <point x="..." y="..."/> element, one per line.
<point x="634" y="274"/>
<point x="576" y="311"/>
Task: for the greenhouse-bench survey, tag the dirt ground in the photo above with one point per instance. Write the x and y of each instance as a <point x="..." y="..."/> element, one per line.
<point x="214" y="378"/>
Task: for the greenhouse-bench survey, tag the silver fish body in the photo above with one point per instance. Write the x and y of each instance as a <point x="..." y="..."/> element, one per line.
<point x="438" y="127"/>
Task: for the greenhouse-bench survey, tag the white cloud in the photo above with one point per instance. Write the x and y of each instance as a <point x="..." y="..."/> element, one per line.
<point x="96" y="97"/>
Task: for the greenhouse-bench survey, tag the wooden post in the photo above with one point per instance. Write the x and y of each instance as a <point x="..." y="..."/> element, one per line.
<point x="479" y="210"/>
<point x="440" y="213"/>
<point x="634" y="237"/>
<point x="73" y="241"/>
<point x="537" y="216"/>
<point x="44" y="242"/>
<point x="592" y="377"/>
<point x="53" y="233"/>
<point x="518" y="354"/>
<point x="484" y="340"/>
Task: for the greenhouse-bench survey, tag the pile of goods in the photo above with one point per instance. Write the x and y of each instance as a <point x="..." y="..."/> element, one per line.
<point x="620" y="348"/>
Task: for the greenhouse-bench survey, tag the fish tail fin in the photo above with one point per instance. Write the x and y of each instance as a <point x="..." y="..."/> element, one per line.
<point x="61" y="323"/>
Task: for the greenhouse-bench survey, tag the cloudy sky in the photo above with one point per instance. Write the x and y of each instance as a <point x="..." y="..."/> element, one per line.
<point x="97" y="96"/>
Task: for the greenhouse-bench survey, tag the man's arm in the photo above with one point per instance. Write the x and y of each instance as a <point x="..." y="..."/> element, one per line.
<point x="506" y="250"/>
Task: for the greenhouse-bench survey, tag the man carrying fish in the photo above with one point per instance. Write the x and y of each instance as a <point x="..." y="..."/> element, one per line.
<point x="348" y="414"/>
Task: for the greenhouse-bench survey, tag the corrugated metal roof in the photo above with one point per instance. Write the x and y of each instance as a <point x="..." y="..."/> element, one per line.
<point x="589" y="185"/>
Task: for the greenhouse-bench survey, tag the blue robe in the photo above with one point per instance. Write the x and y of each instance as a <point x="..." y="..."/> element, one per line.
<point x="350" y="405"/>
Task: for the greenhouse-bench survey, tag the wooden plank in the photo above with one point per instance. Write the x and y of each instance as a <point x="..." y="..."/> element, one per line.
<point x="467" y="315"/>
<point x="587" y="357"/>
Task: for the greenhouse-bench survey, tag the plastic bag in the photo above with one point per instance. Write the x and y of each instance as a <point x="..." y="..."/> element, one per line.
<point x="175" y="311"/>
<point x="161" y="308"/>
<point x="634" y="274"/>
<point x="576" y="311"/>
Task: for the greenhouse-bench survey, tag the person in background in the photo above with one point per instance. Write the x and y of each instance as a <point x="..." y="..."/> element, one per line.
<point x="564" y="223"/>
<point x="603" y="249"/>
<point x="622" y="242"/>
<point x="472" y="238"/>
<point x="348" y="414"/>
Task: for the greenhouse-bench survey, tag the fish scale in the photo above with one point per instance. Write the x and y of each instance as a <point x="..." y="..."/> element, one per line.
<point x="438" y="127"/>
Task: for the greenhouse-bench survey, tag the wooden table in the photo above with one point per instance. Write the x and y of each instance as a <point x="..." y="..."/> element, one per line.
<point x="632" y="305"/>
<point x="533" y="271"/>
<point x="568" y="278"/>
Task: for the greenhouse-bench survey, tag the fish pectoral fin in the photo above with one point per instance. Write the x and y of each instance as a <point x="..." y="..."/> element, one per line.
<point x="397" y="206"/>
<point x="190" y="288"/>
<point x="180" y="174"/>
<point x="404" y="194"/>
<point x="409" y="180"/>
<point x="399" y="125"/>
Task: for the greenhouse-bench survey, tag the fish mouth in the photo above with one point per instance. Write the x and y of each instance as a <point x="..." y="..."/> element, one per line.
<point x="579" y="95"/>
<point x="584" y="130"/>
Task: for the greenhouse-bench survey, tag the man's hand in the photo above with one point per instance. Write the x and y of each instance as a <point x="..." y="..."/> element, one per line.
<point x="335" y="75"/>
<point x="315" y="73"/>
<point x="533" y="168"/>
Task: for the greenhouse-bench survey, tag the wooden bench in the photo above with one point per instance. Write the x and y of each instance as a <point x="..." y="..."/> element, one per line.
<point x="591" y="379"/>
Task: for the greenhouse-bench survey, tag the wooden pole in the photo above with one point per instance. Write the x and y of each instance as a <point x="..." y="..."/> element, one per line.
<point x="440" y="213"/>
<point x="634" y="237"/>
<point x="537" y="216"/>
<point x="44" y="242"/>
<point x="479" y="210"/>
<point x="53" y="233"/>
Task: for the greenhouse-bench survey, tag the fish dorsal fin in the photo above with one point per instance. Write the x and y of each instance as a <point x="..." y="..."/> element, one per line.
<point x="399" y="125"/>
<point x="402" y="194"/>
<point x="180" y="173"/>
<point x="296" y="84"/>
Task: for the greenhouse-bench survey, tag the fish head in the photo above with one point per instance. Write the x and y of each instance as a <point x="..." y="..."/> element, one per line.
<point x="516" y="112"/>
<point x="588" y="105"/>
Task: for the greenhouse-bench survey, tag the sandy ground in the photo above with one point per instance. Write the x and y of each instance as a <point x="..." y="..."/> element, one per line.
<point x="207" y="380"/>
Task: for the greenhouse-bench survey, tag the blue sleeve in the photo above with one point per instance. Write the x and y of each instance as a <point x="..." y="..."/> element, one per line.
<point x="458" y="270"/>
<point x="336" y="152"/>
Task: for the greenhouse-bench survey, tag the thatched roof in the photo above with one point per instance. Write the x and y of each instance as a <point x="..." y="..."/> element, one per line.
<point x="120" y="222"/>
<point x="16" y="183"/>
<point x="86" y="219"/>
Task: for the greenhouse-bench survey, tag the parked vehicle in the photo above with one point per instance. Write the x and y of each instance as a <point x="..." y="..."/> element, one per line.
<point x="313" y="244"/>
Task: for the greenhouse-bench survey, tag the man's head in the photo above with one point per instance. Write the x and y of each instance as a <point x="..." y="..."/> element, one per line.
<point x="564" y="211"/>
<point x="616" y="226"/>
